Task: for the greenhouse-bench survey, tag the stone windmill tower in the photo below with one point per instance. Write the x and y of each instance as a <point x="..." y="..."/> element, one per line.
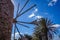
<point x="6" y="15"/>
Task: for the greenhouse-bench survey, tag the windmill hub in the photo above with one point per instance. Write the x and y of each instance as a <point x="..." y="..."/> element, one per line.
<point x="14" y="21"/>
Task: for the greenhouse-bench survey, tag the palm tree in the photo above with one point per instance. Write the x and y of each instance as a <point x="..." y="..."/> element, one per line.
<point x="28" y="37"/>
<point x="43" y="26"/>
<point x="35" y="38"/>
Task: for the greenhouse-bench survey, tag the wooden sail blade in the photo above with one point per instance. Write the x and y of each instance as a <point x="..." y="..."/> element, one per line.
<point x="26" y="10"/>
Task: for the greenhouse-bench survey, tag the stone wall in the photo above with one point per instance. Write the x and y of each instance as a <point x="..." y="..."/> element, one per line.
<point x="6" y="19"/>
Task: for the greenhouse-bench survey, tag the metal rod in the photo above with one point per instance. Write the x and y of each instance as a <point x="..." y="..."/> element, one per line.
<point x="23" y="7"/>
<point x="24" y="22"/>
<point x="23" y="25"/>
<point x="14" y="31"/>
<point x="18" y="30"/>
<point x="17" y="9"/>
<point x="26" y="10"/>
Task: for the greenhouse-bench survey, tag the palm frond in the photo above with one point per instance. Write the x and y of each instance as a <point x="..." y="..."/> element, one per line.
<point x="52" y="30"/>
<point x="50" y="35"/>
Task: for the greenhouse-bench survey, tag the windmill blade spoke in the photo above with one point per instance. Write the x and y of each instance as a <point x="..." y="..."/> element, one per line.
<point x="17" y="9"/>
<point x="18" y="30"/>
<point x="14" y="31"/>
<point x="33" y="22"/>
<point x="24" y="22"/>
<point x="24" y="6"/>
<point x="26" y="11"/>
<point x="23" y="25"/>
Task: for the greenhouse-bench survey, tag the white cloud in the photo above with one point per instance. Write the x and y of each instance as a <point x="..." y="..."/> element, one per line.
<point x="36" y="10"/>
<point x="16" y="36"/>
<point x="38" y="17"/>
<point x="32" y="15"/>
<point x="12" y="37"/>
<point x="53" y="2"/>
<point x="50" y="4"/>
<point x="56" y="25"/>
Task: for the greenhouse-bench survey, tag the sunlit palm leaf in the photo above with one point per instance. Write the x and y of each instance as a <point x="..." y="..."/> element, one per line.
<point x="53" y="30"/>
<point x="44" y="23"/>
<point x="50" y="35"/>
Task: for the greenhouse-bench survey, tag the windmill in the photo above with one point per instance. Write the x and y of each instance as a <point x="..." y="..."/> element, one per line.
<point x="18" y="14"/>
<point x="6" y="18"/>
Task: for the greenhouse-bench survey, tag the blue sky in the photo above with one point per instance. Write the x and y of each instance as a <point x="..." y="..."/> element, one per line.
<point x="45" y="8"/>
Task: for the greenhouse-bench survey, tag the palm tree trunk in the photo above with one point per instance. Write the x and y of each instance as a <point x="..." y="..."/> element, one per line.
<point x="44" y="37"/>
<point x="44" y="34"/>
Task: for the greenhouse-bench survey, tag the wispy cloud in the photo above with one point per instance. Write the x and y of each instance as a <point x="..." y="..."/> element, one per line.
<point x="38" y="17"/>
<point x="35" y="10"/>
<point x="16" y="36"/>
<point x="53" y="2"/>
<point x="33" y="13"/>
<point x="56" y="25"/>
<point x="35" y="16"/>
